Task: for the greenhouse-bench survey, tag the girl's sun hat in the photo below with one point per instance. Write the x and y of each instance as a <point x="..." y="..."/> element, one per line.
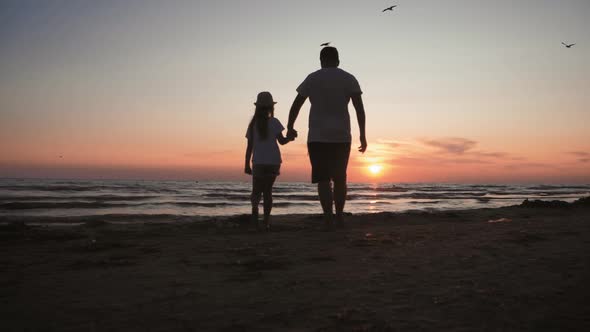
<point x="264" y="99"/>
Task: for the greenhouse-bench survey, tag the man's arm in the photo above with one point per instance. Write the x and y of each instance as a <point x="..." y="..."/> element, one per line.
<point x="247" y="168"/>
<point x="357" y="101"/>
<point x="293" y="114"/>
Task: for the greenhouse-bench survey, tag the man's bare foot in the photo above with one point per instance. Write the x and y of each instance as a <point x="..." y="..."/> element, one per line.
<point x="266" y="224"/>
<point x="254" y="218"/>
<point x="328" y="223"/>
<point x="340" y="221"/>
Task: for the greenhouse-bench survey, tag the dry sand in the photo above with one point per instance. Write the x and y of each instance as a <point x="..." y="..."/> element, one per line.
<point x="446" y="271"/>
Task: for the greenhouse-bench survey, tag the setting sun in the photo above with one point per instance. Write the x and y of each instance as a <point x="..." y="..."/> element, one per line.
<point x="375" y="169"/>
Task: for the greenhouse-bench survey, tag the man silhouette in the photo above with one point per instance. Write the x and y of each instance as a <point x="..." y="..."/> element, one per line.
<point x="328" y="142"/>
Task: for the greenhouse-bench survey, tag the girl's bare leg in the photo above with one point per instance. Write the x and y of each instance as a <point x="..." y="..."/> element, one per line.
<point x="257" y="188"/>
<point x="267" y="192"/>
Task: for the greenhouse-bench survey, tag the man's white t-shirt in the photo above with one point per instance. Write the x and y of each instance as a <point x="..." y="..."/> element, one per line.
<point x="329" y="91"/>
<point x="266" y="151"/>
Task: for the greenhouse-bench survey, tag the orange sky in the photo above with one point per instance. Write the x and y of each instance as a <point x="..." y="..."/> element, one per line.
<point x="139" y="89"/>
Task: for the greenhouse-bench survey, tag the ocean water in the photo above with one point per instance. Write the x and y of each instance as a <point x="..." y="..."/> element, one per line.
<point x="68" y="199"/>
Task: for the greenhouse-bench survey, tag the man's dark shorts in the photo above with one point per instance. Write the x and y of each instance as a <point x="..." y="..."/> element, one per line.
<point x="328" y="161"/>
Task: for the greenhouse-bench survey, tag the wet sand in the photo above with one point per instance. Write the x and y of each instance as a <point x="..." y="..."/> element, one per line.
<point x="444" y="271"/>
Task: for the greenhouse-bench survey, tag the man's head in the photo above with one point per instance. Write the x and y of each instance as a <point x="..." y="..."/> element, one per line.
<point x="329" y="57"/>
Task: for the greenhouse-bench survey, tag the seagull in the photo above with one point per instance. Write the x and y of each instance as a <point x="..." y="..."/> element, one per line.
<point x="325" y="44"/>
<point x="388" y="8"/>
<point x="568" y="46"/>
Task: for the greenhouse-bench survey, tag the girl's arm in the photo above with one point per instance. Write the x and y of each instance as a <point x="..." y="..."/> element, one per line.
<point x="247" y="167"/>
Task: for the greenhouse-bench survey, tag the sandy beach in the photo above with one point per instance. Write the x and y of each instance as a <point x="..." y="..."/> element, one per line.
<point x="441" y="271"/>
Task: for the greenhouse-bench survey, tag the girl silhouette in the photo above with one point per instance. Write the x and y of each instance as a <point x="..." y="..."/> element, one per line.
<point x="264" y="131"/>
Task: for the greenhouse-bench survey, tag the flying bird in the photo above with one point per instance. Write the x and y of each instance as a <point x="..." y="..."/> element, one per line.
<point x="568" y="45"/>
<point x="388" y="8"/>
<point x="325" y="44"/>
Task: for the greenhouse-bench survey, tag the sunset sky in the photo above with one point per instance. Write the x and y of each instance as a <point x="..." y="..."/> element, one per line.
<point x="455" y="91"/>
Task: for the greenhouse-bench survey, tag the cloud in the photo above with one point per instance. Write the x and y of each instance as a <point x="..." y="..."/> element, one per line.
<point x="529" y="165"/>
<point x="433" y="161"/>
<point x="431" y="153"/>
<point x="453" y="145"/>
<point x="583" y="157"/>
<point x="461" y="150"/>
<point x="492" y="154"/>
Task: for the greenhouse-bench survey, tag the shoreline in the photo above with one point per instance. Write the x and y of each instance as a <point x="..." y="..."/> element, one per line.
<point x="528" y="270"/>
<point x="130" y="219"/>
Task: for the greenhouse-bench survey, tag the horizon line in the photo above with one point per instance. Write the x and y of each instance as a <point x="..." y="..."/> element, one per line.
<point x="299" y="182"/>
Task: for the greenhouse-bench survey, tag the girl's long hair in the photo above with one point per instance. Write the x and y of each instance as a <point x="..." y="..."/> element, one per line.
<point x="260" y="120"/>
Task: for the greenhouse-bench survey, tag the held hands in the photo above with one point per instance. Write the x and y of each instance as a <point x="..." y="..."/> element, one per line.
<point x="248" y="169"/>
<point x="363" y="146"/>
<point x="291" y="134"/>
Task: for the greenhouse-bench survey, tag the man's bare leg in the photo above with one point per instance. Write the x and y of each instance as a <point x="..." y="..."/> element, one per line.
<point x="326" y="199"/>
<point x="339" y="200"/>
